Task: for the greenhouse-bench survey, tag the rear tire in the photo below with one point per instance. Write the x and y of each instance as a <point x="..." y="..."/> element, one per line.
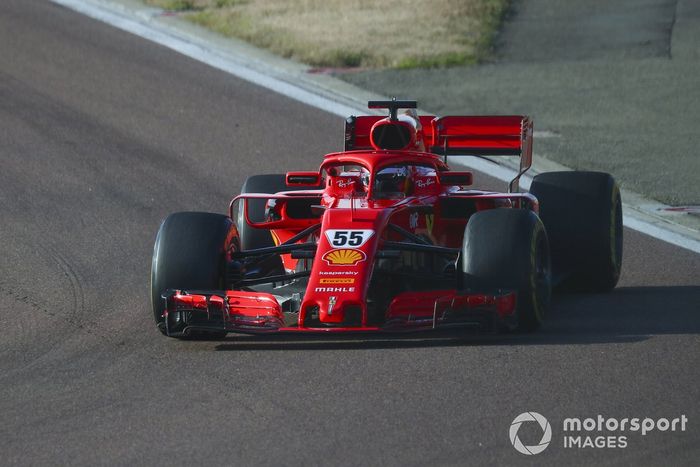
<point x="252" y="238"/>
<point x="508" y="249"/>
<point x="188" y="254"/>
<point x="582" y="212"/>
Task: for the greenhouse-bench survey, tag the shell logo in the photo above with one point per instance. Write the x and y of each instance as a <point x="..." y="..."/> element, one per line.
<point x="344" y="257"/>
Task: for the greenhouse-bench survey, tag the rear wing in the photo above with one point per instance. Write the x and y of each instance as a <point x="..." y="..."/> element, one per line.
<point x="480" y="136"/>
<point x="509" y="135"/>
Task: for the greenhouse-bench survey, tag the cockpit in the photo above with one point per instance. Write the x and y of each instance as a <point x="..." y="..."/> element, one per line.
<point x="394" y="181"/>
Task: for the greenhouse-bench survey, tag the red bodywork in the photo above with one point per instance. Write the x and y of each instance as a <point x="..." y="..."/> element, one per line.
<point x="358" y="234"/>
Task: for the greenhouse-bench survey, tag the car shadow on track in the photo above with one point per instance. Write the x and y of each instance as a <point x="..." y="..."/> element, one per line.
<point x="626" y="315"/>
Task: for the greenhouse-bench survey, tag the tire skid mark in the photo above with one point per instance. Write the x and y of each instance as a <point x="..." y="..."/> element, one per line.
<point x="59" y="313"/>
<point x="24" y="329"/>
<point x="76" y="313"/>
<point x="70" y="307"/>
<point x="23" y="297"/>
<point x="29" y="330"/>
<point x="78" y="316"/>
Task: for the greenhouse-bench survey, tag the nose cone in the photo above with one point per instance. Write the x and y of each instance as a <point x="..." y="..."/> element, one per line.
<point x="337" y="289"/>
<point x="338" y="305"/>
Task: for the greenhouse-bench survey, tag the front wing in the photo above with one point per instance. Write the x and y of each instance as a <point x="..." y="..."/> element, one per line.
<point x="260" y="313"/>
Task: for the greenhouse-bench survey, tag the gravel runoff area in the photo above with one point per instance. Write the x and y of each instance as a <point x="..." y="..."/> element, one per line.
<point x="364" y="33"/>
<point x="614" y="81"/>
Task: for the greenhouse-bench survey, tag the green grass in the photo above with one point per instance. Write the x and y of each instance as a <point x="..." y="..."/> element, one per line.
<point x="355" y="33"/>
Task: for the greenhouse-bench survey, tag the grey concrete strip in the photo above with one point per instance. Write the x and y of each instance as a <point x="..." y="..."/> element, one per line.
<point x="685" y="40"/>
<point x="557" y="30"/>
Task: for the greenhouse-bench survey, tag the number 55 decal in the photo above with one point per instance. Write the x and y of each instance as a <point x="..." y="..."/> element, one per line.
<point x="348" y="238"/>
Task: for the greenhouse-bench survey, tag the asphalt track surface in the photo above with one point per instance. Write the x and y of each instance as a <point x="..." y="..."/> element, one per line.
<point x="104" y="134"/>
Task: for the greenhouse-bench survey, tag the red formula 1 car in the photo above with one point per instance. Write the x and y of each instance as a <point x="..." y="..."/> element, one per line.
<point x="386" y="237"/>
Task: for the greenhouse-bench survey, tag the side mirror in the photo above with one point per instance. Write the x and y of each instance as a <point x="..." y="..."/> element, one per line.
<point x="455" y="178"/>
<point x="310" y="179"/>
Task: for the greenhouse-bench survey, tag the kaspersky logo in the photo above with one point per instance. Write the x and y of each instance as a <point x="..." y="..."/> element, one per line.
<point x="525" y="418"/>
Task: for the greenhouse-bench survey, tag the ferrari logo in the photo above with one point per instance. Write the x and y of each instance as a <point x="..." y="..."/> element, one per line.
<point x="344" y="257"/>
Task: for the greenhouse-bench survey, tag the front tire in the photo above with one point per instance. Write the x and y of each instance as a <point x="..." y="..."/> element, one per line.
<point x="189" y="255"/>
<point x="508" y="249"/>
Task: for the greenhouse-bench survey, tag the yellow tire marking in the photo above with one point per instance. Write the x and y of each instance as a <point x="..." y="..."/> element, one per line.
<point x="533" y="272"/>
<point x="613" y="224"/>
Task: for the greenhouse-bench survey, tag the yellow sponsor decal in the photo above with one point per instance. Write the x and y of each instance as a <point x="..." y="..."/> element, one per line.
<point x="429" y="222"/>
<point x="337" y="280"/>
<point x="275" y="238"/>
<point x="344" y="257"/>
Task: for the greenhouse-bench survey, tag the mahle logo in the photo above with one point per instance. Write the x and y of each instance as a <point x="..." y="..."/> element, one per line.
<point x="546" y="433"/>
